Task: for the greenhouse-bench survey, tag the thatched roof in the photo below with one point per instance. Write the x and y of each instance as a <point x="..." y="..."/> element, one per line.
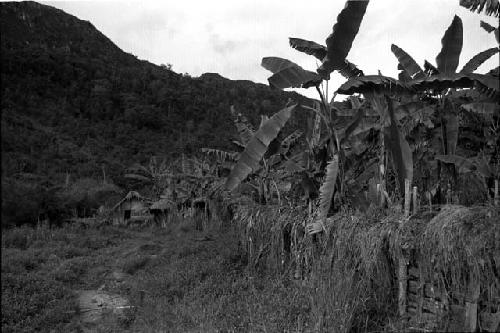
<point x="132" y="195"/>
<point x="161" y="204"/>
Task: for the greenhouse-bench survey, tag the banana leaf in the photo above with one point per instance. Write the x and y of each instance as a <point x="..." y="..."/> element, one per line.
<point x="490" y="7"/>
<point x="409" y="65"/>
<point x="486" y="26"/>
<point x="490" y="29"/>
<point x="442" y="82"/>
<point x="308" y="47"/>
<point x="373" y="84"/>
<point x="487" y="85"/>
<point x="429" y="69"/>
<point x="339" y="43"/>
<point x="494" y="72"/>
<point x="447" y="60"/>
<point x="288" y="74"/>
<point x="400" y="149"/>
<point x="328" y="187"/>
<point x="488" y="108"/>
<point x="257" y="147"/>
<point x="289" y="141"/>
<point x="478" y="60"/>
<point x="350" y="70"/>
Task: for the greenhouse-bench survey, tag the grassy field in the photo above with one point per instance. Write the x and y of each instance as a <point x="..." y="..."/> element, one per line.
<point x="175" y="280"/>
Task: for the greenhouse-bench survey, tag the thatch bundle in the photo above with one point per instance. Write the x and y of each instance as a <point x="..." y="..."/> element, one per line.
<point x="454" y="265"/>
<point x="462" y="242"/>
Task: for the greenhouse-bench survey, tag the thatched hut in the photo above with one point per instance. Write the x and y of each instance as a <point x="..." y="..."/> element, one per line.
<point x="161" y="210"/>
<point x="133" y="207"/>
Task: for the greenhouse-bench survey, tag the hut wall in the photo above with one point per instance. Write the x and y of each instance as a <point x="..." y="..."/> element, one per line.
<point x="136" y="206"/>
<point x="432" y="307"/>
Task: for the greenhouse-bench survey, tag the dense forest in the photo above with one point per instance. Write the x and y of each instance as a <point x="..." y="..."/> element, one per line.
<point x="77" y="108"/>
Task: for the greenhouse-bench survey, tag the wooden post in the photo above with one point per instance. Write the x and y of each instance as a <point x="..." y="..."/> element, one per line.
<point x="449" y="195"/>
<point x="402" y="262"/>
<point x="429" y="199"/>
<point x="103" y="174"/>
<point x="471" y="305"/>
<point x="379" y="196"/>
<point x="415" y="208"/>
<point x="250" y="254"/>
<point x="496" y="199"/>
<point x="407" y="199"/>
<point x="402" y="285"/>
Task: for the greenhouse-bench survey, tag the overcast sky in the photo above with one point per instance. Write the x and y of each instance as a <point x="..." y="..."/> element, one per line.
<point x="231" y="37"/>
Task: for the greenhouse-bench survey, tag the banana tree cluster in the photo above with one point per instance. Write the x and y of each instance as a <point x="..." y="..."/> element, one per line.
<point x="401" y="123"/>
<point x="439" y="99"/>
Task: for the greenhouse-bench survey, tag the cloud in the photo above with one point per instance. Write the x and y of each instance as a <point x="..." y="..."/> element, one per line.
<point x="220" y="45"/>
<point x="231" y="37"/>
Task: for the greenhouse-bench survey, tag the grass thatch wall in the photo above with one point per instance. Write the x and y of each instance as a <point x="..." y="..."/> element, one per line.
<point x="352" y="269"/>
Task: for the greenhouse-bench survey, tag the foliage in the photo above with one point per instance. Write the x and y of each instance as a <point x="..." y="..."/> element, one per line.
<point x="339" y="42"/>
<point x="327" y="188"/>
<point x="490" y="7"/>
<point x="257" y="146"/>
<point x="74" y="104"/>
<point x="288" y="74"/>
<point x="451" y="46"/>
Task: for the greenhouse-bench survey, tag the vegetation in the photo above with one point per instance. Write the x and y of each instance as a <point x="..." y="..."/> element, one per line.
<point x="75" y="107"/>
<point x="307" y="228"/>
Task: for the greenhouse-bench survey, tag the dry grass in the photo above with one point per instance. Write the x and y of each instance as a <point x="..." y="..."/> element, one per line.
<point x="219" y="280"/>
<point x="461" y="243"/>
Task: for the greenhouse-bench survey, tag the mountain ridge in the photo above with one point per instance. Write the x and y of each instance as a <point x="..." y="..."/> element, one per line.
<point x="82" y="66"/>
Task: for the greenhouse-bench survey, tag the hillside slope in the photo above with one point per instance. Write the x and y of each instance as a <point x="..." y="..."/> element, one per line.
<point x="72" y="101"/>
<point x="74" y="104"/>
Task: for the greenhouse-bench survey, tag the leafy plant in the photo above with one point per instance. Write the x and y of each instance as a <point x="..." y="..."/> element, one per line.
<point x="333" y="57"/>
<point x="256" y="148"/>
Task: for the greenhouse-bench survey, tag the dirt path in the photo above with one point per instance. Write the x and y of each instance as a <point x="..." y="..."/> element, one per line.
<point x="116" y="300"/>
<point x="109" y="304"/>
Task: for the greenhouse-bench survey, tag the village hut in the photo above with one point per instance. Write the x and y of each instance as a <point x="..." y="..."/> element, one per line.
<point x="133" y="207"/>
<point x="161" y="210"/>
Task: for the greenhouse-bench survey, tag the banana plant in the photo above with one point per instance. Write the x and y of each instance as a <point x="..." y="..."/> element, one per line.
<point x="287" y="74"/>
<point x="440" y="83"/>
<point x="257" y="146"/>
<point x="156" y="173"/>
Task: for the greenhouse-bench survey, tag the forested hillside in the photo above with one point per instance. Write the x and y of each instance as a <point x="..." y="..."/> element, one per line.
<point x="74" y="104"/>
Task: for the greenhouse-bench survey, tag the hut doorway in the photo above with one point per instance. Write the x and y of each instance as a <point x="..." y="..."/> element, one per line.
<point x="126" y="214"/>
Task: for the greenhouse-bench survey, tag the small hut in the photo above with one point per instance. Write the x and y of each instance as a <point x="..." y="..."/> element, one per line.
<point x="161" y="210"/>
<point x="133" y="207"/>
